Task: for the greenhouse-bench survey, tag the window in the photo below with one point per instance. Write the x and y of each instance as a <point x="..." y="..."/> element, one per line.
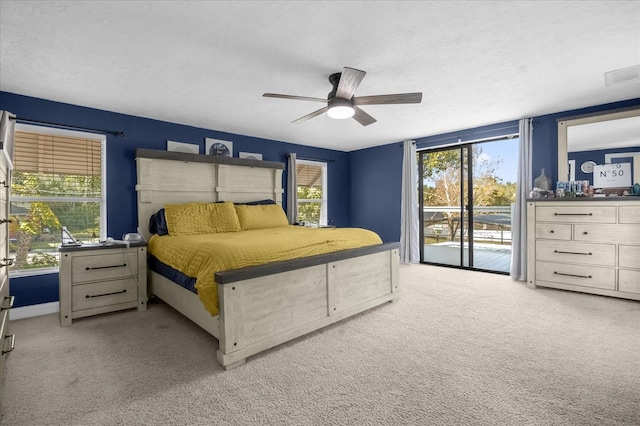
<point x="57" y="180"/>
<point x="312" y="192"/>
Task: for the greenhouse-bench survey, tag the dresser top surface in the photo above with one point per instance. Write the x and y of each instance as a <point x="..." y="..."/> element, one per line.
<point x="585" y="199"/>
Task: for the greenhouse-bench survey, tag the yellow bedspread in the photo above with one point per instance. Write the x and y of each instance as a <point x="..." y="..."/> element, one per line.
<point x="200" y="256"/>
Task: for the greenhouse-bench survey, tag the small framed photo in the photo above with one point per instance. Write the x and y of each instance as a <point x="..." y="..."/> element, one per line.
<point x="250" y="155"/>
<point x="189" y="148"/>
<point x="218" y="147"/>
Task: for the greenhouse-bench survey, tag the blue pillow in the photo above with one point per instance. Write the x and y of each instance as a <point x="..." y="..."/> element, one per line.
<point x="158" y="223"/>
<point x="256" y="203"/>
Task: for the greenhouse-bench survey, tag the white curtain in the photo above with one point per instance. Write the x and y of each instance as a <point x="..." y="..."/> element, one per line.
<point x="7" y="127"/>
<point x="519" y="210"/>
<point x="292" y="189"/>
<point x="409" y="222"/>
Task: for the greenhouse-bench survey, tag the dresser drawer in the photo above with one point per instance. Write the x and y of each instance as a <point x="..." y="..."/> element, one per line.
<point x="629" y="281"/>
<point x="5" y="298"/>
<point x="553" y="231"/>
<point x="621" y="234"/>
<point x="101" y="267"/>
<point x="4" y="190"/>
<point x="6" y="340"/>
<point x="571" y="252"/>
<point x="629" y="214"/>
<point x="576" y="214"/>
<point x="3" y="228"/>
<point x="629" y="256"/>
<point x="580" y="275"/>
<point x="87" y="296"/>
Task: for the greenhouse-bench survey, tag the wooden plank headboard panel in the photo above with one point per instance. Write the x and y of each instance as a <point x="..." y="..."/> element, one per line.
<point x="166" y="177"/>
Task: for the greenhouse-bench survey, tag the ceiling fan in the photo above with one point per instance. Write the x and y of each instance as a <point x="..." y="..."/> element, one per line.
<point x="341" y="103"/>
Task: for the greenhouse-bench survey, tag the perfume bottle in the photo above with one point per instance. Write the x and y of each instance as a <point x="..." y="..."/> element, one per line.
<point x="542" y="182"/>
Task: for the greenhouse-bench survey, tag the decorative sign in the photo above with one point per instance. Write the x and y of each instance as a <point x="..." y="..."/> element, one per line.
<point x="617" y="175"/>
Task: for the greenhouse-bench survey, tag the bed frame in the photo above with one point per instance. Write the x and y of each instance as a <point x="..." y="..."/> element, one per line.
<point x="261" y="306"/>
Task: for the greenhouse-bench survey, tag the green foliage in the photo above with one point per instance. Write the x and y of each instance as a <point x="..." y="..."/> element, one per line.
<point x="53" y="185"/>
<point x="41" y="260"/>
<point x="443" y="171"/>
<point x="309" y="211"/>
<point x="79" y="217"/>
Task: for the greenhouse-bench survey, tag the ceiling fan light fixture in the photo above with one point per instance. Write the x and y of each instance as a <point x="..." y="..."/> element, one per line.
<point x="341" y="112"/>
<point x="340" y="109"/>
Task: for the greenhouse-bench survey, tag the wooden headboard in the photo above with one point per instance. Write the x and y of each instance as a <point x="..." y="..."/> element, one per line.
<point x="174" y="177"/>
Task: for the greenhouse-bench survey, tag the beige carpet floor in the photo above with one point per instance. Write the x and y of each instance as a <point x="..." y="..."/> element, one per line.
<point x="459" y="348"/>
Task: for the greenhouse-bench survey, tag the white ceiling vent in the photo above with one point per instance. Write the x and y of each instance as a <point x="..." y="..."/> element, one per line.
<point x="623" y="75"/>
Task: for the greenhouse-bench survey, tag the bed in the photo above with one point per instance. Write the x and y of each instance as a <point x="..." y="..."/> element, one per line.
<point x="265" y="305"/>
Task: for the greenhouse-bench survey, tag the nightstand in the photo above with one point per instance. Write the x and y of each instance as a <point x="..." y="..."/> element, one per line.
<point x="95" y="279"/>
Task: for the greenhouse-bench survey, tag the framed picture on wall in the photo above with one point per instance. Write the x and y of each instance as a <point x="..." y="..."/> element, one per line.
<point x="218" y="147"/>
<point x="250" y="155"/>
<point x="189" y="148"/>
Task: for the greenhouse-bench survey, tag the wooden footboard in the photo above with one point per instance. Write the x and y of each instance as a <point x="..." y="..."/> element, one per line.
<point x="260" y="312"/>
<point x="264" y="306"/>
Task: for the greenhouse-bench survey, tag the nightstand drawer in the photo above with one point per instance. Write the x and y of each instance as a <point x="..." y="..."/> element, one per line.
<point x="587" y="276"/>
<point x="553" y="231"/>
<point x="101" y="267"/>
<point x="585" y="253"/>
<point x="87" y="296"/>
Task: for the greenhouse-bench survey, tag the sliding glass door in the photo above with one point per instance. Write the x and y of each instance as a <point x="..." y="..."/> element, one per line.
<point x="466" y="197"/>
<point x="443" y="212"/>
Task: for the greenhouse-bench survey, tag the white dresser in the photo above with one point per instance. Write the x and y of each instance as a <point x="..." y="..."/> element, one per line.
<point x="591" y="246"/>
<point x="6" y="301"/>
<point x="96" y="279"/>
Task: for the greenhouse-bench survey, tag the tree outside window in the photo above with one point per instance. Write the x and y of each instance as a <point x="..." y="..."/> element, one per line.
<point x="57" y="181"/>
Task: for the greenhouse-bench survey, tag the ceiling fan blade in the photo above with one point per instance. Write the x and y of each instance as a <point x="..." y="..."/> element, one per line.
<point x="362" y="117"/>
<point x="349" y="82"/>
<point x="398" y="98"/>
<point x="311" y="115"/>
<point x="300" y="98"/>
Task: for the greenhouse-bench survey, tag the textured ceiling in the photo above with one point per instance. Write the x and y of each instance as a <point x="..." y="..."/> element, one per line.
<point x="207" y="63"/>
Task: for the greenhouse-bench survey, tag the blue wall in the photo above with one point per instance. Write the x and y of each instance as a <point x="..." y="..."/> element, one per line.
<point x="364" y="185"/>
<point x="121" y="171"/>
<point x="374" y="193"/>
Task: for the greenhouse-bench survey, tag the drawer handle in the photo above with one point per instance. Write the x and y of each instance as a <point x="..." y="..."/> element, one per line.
<point x="3" y="221"/>
<point x="552" y="231"/>
<point x="572" y="275"/>
<point x="91" y="268"/>
<point x="11" y="300"/>
<point x="13" y="343"/>
<point x="9" y="262"/>
<point x="573" y="214"/>
<point x="572" y="252"/>
<point x="4" y="183"/>
<point x="89" y="296"/>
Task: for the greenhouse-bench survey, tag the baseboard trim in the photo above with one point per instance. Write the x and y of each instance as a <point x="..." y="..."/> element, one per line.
<point x="35" y="310"/>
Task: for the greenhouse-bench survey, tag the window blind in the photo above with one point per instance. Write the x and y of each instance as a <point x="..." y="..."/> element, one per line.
<point x="58" y="155"/>
<point x="309" y="175"/>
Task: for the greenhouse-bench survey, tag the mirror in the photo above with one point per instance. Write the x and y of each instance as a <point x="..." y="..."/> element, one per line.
<point x="597" y="139"/>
